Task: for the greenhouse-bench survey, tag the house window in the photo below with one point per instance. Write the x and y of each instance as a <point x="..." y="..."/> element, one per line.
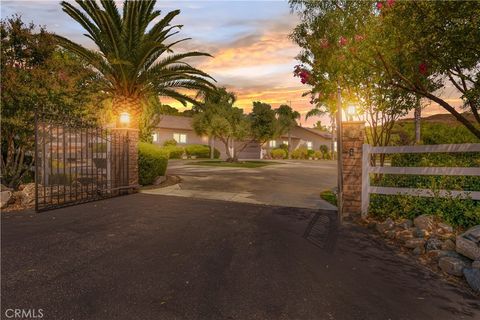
<point x="180" y="137"/>
<point x="309" y="145"/>
<point x="285" y="142"/>
<point x="272" y="144"/>
<point x="155" y="137"/>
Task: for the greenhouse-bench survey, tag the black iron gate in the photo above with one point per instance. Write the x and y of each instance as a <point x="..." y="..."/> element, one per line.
<point x="77" y="162"/>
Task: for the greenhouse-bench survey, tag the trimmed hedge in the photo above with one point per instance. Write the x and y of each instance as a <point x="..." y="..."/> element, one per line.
<point x="174" y="152"/>
<point x="278" y="154"/>
<point x="300" y="153"/>
<point x="152" y="162"/>
<point x="201" y="151"/>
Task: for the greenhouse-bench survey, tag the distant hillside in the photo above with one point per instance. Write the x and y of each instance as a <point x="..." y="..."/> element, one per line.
<point x="445" y="118"/>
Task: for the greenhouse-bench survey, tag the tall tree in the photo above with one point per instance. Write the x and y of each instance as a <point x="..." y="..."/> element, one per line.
<point x="223" y="121"/>
<point x="287" y="118"/>
<point x="419" y="47"/>
<point x="36" y="76"/>
<point x="134" y="56"/>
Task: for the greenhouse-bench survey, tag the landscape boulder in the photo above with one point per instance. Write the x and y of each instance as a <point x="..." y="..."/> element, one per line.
<point x="473" y="278"/>
<point x="405" y="224"/>
<point x="414" y="243"/>
<point x="434" y="244"/>
<point x="384" y="226"/>
<point x="452" y="265"/>
<point x="419" y="233"/>
<point x="404" y="235"/>
<point x="476" y="264"/>
<point x="448" y="245"/>
<point x="468" y="243"/>
<point x="6" y="197"/>
<point x="424" y="222"/>
<point x="444" y="228"/>
<point x="28" y="194"/>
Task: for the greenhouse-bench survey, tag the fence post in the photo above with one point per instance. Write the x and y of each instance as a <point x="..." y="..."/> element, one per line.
<point x="352" y="154"/>
<point x="365" y="179"/>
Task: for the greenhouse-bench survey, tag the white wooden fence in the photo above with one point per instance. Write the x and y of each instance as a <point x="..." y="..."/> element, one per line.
<point x="443" y="171"/>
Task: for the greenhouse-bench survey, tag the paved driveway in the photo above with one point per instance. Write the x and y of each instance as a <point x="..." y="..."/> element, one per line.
<point x="291" y="183"/>
<point x="158" y="257"/>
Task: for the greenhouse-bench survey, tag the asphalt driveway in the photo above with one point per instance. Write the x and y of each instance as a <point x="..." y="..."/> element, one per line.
<point x="292" y="183"/>
<point x="158" y="257"/>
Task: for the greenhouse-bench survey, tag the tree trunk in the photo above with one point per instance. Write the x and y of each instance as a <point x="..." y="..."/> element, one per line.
<point x="418" y="117"/>
<point x="289" y="145"/>
<point x="212" y="147"/>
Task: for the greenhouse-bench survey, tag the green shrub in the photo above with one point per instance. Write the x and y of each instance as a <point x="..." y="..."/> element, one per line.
<point x="278" y="154"/>
<point x="329" y="196"/>
<point x="310" y="153"/>
<point x="318" y="155"/>
<point x="152" y="162"/>
<point x="455" y="211"/>
<point x="170" y="143"/>
<point x="174" y="152"/>
<point x="300" y="153"/>
<point x="200" y="151"/>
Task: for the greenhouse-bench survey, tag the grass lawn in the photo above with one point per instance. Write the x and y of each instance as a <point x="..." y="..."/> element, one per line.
<point x="329" y="196"/>
<point x="240" y="164"/>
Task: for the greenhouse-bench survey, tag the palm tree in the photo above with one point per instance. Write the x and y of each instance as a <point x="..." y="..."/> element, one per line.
<point x="134" y="59"/>
<point x="287" y="118"/>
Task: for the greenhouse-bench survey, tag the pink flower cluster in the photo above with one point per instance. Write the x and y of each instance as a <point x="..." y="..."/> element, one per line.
<point x="343" y="41"/>
<point x="423" y="68"/>
<point x="324" y="43"/>
<point x="390" y="4"/>
<point x="303" y="73"/>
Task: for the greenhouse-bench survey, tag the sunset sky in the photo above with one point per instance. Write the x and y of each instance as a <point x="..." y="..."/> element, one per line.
<point x="249" y="39"/>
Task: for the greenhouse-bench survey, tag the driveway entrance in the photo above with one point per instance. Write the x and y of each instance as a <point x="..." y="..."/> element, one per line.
<point x="156" y="257"/>
<point x="289" y="183"/>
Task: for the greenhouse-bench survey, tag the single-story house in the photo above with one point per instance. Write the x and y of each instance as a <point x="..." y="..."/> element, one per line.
<point x="180" y="129"/>
<point x="310" y="138"/>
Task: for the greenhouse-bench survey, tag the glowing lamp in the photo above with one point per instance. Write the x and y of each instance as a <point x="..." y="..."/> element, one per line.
<point x="124" y="118"/>
<point x="351" y="112"/>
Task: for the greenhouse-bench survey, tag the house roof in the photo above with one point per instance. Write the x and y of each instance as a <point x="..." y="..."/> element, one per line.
<point x="175" y="122"/>
<point x="323" y="134"/>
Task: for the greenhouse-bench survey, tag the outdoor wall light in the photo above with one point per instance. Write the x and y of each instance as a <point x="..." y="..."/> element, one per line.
<point x="124" y="118"/>
<point x="351" y="112"/>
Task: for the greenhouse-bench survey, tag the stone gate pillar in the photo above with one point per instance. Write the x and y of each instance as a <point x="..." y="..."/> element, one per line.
<point x="132" y="137"/>
<point x="353" y="133"/>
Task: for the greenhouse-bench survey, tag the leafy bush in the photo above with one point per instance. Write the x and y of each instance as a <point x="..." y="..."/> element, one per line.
<point x="170" y="143"/>
<point x="201" y="151"/>
<point x="453" y="210"/>
<point x="329" y="196"/>
<point x="152" y="162"/>
<point x="325" y="152"/>
<point x="300" y="153"/>
<point x="318" y="155"/>
<point x="174" y="152"/>
<point x="310" y="153"/>
<point x="278" y="154"/>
